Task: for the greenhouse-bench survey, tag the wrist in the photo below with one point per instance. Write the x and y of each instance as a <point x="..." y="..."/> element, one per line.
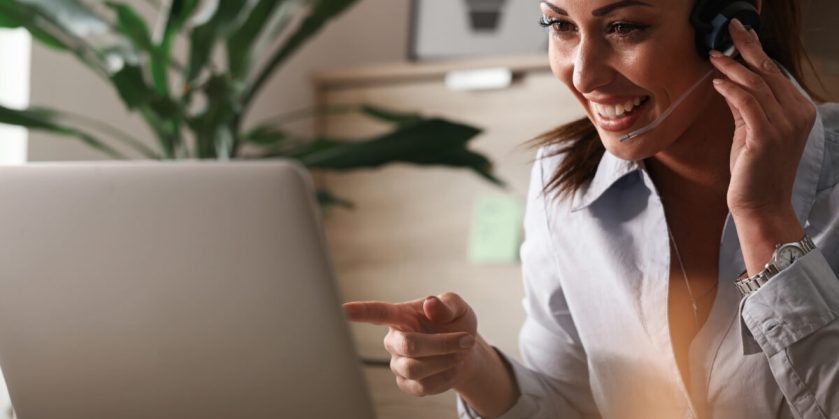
<point x="761" y="231"/>
<point x="488" y="384"/>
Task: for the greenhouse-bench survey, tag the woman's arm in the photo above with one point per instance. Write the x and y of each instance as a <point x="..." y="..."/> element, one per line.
<point x="555" y="382"/>
<point x="794" y="318"/>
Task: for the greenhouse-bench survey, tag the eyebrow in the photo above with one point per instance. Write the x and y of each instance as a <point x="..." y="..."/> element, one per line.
<point x="602" y="11"/>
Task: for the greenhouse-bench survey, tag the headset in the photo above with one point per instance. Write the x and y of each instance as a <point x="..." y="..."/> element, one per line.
<point x="710" y="18"/>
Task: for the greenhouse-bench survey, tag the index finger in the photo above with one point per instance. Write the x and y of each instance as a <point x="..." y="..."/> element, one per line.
<point x="380" y="313"/>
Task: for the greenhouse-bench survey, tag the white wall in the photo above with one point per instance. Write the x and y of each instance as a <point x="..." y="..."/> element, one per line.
<point x="373" y="30"/>
<point x="14" y="91"/>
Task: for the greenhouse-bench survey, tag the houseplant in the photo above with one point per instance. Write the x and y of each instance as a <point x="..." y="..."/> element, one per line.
<point x="196" y="108"/>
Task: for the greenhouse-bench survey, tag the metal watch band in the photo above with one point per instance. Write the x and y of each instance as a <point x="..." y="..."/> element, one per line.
<point x="750" y="285"/>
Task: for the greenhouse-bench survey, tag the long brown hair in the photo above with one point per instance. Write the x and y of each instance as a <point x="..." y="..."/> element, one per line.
<point x="578" y="141"/>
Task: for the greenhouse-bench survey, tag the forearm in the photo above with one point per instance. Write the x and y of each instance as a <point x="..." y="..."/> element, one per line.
<point x="490" y="388"/>
<point x="760" y="232"/>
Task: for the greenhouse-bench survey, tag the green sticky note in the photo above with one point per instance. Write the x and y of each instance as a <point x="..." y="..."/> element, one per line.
<point x="496" y="230"/>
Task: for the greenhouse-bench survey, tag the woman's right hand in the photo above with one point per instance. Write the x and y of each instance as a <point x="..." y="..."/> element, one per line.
<point x="432" y="341"/>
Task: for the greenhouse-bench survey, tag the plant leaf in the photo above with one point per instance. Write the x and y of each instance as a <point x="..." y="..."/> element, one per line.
<point x="241" y="42"/>
<point x="265" y="136"/>
<point x="327" y="199"/>
<point x="203" y="38"/>
<point x="84" y="31"/>
<point x="13" y="15"/>
<point x="212" y="126"/>
<point x="176" y="15"/>
<point x="322" y="12"/>
<point x="425" y="142"/>
<point x="131" y="25"/>
<point x="46" y="120"/>
<point x="390" y="116"/>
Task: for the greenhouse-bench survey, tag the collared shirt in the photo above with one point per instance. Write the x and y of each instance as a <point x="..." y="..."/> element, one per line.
<point x="596" y="342"/>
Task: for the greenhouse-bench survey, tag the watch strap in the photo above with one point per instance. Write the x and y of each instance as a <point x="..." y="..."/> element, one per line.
<point x="748" y="286"/>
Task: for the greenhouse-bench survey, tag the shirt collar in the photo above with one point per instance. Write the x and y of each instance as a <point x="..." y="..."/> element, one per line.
<point x="611" y="169"/>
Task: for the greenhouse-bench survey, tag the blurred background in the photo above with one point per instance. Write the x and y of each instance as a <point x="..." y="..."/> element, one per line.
<point x="397" y="231"/>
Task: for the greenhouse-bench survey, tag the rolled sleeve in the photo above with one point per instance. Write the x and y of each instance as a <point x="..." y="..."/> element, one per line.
<point x="796" y="303"/>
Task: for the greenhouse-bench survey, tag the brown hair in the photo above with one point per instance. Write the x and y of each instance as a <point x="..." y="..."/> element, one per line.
<point x="578" y="141"/>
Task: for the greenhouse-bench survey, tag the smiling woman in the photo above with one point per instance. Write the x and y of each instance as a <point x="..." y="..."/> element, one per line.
<point x="680" y="256"/>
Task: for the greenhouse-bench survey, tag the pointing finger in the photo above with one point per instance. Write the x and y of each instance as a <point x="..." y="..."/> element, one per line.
<point x="379" y="313"/>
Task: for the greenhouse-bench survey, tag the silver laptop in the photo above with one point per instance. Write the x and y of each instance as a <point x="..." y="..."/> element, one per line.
<point x="170" y="290"/>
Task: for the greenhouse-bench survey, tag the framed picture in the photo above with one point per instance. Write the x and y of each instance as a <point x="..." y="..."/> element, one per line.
<point x="460" y="28"/>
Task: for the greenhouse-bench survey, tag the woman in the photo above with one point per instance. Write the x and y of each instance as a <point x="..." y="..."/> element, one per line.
<point x="633" y="247"/>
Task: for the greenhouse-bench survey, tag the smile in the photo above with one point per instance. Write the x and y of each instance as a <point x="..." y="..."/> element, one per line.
<point x="617" y="111"/>
<point x="621" y="116"/>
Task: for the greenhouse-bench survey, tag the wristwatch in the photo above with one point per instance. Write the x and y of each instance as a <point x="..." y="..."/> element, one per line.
<point x="784" y="256"/>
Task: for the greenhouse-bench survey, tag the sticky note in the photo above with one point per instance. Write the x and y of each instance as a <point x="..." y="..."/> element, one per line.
<point x="496" y="230"/>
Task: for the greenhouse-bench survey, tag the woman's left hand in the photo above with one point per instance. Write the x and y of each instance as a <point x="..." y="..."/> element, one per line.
<point x="772" y="123"/>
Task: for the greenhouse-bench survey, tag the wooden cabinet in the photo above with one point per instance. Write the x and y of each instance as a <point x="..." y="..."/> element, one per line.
<point x="409" y="234"/>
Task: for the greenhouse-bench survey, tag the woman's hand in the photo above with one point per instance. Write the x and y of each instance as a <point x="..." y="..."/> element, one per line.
<point x="432" y="341"/>
<point x="772" y="123"/>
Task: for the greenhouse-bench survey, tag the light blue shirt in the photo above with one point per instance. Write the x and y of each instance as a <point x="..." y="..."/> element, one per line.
<point x="596" y="341"/>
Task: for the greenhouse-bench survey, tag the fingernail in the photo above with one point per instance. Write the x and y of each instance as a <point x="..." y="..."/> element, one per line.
<point x="738" y="25"/>
<point x="754" y="35"/>
<point x="467" y="342"/>
<point x="716" y="54"/>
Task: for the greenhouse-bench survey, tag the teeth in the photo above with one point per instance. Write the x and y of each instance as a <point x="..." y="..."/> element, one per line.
<point x="613" y="111"/>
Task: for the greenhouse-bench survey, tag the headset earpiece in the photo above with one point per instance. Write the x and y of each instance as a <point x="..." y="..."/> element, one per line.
<point x="713" y="34"/>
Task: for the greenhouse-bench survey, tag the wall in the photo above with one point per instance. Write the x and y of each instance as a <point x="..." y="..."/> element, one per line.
<point x="373" y="30"/>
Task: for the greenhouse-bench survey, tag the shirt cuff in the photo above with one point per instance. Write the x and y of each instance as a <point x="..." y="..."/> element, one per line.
<point x="528" y="403"/>
<point x="797" y="302"/>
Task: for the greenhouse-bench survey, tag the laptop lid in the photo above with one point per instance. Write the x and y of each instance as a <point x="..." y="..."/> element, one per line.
<point x="170" y="290"/>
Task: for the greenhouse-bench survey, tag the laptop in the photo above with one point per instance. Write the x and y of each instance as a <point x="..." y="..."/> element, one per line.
<point x="171" y="290"/>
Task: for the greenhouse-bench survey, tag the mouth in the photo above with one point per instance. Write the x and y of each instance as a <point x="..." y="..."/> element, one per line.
<point x="619" y="117"/>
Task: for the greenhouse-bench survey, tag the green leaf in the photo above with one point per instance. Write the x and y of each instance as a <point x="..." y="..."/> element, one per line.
<point x="213" y="125"/>
<point x="178" y="12"/>
<point x="13" y="15"/>
<point x="322" y="12"/>
<point x="426" y="142"/>
<point x="46" y="120"/>
<point x="132" y="25"/>
<point x="390" y="116"/>
<point x="203" y="38"/>
<point x="328" y="199"/>
<point x="265" y="136"/>
<point x="132" y="87"/>
<point x="240" y="44"/>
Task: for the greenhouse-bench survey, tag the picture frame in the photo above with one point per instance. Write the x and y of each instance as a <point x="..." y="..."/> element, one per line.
<point x="448" y="29"/>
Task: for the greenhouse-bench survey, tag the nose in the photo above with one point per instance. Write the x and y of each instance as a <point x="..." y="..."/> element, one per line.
<point x="591" y="67"/>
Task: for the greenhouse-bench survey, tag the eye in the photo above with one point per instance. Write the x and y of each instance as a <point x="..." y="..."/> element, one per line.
<point x="625" y="29"/>
<point x="557" y="26"/>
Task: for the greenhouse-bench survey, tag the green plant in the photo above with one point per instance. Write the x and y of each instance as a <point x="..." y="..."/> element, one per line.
<point x="196" y="108"/>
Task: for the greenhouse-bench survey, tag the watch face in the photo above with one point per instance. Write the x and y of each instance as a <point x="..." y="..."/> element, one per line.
<point x="787" y="255"/>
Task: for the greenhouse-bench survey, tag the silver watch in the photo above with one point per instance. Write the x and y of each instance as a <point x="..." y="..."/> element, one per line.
<point x="784" y="256"/>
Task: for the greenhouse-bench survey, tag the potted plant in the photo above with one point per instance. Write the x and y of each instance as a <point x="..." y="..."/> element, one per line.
<point x="196" y="107"/>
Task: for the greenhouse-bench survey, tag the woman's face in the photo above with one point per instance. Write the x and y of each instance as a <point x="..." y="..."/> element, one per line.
<point x="627" y="62"/>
